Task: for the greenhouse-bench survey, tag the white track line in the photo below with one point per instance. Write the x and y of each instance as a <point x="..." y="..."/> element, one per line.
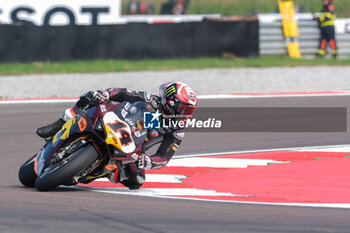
<point x="220" y="96"/>
<point x="157" y="178"/>
<point x="219" y="162"/>
<point x="278" y="95"/>
<point x="155" y="193"/>
<point x="38" y="101"/>
<point x="336" y="148"/>
<point x="319" y="205"/>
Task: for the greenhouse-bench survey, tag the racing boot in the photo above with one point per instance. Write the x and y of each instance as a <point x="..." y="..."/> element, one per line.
<point x="335" y="54"/>
<point x="321" y="53"/>
<point x="51" y="129"/>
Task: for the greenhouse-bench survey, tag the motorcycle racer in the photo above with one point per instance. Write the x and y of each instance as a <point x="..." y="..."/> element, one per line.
<point x="175" y="99"/>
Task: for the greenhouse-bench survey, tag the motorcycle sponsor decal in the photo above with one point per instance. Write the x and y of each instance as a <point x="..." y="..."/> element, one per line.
<point x="175" y="147"/>
<point x="127" y="106"/>
<point x="185" y="90"/>
<point x="154" y="133"/>
<point x="135" y="156"/>
<point x="118" y="133"/>
<point x="170" y="90"/>
<point x="124" y="113"/>
<point x="147" y="96"/>
<point x="130" y="122"/>
<point x="191" y="96"/>
<point x="82" y="124"/>
<point x="179" y="134"/>
<point x="103" y="108"/>
<point x="139" y="133"/>
<point x="133" y="110"/>
<point x="154" y="104"/>
<point x="111" y="167"/>
<point x="64" y="132"/>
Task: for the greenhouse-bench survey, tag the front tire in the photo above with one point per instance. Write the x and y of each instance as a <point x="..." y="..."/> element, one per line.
<point x="26" y="173"/>
<point x="61" y="173"/>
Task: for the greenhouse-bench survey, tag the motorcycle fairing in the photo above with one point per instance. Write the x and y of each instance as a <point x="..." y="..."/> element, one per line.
<point x="77" y="124"/>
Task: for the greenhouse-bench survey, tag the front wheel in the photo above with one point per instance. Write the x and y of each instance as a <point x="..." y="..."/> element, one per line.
<point x="63" y="172"/>
<point x="26" y="173"/>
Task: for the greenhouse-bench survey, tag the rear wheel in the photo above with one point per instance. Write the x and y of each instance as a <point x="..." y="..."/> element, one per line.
<point x="65" y="170"/>
<point x="26" y="173"/>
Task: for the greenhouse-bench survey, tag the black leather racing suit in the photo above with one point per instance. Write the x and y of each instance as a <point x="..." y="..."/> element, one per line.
<point x="168" y="138"/>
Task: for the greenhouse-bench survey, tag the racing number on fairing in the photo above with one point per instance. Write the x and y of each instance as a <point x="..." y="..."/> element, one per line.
<point x="120" y="127"/>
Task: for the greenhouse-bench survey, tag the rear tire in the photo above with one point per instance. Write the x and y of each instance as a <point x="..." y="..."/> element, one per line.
<point x="26" y="173"/>
<point x="61" y="173"/>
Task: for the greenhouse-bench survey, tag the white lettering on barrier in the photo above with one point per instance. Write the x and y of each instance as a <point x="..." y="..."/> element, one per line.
<point x="60" y="12"/>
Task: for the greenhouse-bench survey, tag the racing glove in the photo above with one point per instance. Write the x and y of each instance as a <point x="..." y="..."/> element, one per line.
<point x="144" y="162"/>
<point x="99" y="96"/>
<point x="92" y="98"/>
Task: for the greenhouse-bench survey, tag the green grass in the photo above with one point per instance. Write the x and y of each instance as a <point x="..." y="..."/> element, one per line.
<point x="99" y="66"/>
<point x="245" y="7"/>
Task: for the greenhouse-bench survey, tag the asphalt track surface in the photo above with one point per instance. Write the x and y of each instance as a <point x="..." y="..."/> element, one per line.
<point x="70" y="210"/>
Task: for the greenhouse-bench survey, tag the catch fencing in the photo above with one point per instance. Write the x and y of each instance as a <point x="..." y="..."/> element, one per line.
<point x="272" y="41"/>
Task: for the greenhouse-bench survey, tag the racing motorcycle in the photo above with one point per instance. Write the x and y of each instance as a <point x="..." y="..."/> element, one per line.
<point x="104" y="140"/>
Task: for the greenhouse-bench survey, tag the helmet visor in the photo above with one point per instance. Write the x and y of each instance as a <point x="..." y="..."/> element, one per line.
<point x="184" y="110"/>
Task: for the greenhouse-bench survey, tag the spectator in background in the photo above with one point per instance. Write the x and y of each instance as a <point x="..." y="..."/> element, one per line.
<point x="179" y="8"/>
<point x="326" y="20"/>
<point x="133" y="8"/>
<point x="176" y="7"/>
<point x="140" y="7"/>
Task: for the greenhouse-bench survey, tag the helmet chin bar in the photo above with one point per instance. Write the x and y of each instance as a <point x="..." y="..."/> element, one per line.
<point x="168" y="111"/>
